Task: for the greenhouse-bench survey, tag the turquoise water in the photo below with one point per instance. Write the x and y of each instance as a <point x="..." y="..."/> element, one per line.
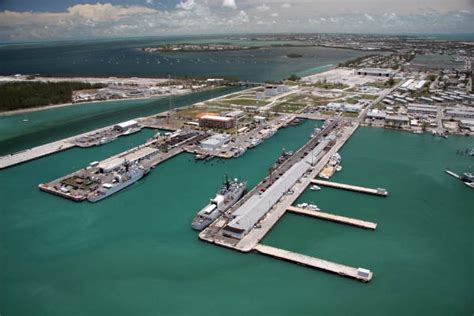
<point x="125" y="58"/>
<point x="52" y="124"/>
<point x="135" y="253"/>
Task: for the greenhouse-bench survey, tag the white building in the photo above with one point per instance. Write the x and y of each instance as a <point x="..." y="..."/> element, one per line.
<point x="124" y="126"/>
<point x="460" y="113"/>
<point x="344" y="107"/>
<point x="422" y="109"/>
<point x="215" y="141"/>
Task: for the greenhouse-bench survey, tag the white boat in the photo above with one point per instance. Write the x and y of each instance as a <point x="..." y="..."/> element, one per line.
<point x="313" y="207"/>
<point x="338" y="168"/>
<point x="315" y="188"/>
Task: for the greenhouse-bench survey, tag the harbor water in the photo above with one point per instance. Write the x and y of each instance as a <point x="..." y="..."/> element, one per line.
<point x="125" y="58"/>
<point x="135" y="253"/>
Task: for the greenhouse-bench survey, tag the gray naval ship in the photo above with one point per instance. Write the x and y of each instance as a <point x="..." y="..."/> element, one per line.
<point x="227" y="196"/>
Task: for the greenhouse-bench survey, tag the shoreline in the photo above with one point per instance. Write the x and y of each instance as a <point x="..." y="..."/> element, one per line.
<point x="55" y="106"/>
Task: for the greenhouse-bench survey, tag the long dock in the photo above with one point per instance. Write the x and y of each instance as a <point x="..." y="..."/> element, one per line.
<point x="36" y="152"/>
<point x="356" y="273"/>
<point x="334" y="218"/>
<point x="44" y="150"/>
<point x="379" y="192"/>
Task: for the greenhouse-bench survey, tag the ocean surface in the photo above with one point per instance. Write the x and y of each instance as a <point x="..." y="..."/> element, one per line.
<point x="125" y="58"/>
<point x="134" y="253"/>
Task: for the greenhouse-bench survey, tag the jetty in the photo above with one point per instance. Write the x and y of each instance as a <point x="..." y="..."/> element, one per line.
<point x="333" y="217"/>
<point x="360" y="274"/>
<point x="378" y="191"/>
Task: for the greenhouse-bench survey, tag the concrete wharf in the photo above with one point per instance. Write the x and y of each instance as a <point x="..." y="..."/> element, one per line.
<point x="333" y="217"/>
<point x="35" y="152"/>
<point x="347" y="271"/>
<point x="46" y="149"/>
<point x="379" y="192"/>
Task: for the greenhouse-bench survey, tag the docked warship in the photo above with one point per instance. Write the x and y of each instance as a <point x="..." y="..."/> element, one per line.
<point x="227" y="196"/>
<point x="131" y="174"/>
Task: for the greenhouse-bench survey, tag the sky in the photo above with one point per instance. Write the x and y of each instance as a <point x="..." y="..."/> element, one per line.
<point x="78" y="19"/>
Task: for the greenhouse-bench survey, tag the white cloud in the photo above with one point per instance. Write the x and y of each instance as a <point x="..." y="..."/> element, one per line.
<point x="149" y="1"/>
<point x="186" y="5"/>
<point x="214" y="16"/>
<point x="286" y="5"/>
<point x="229" y="4"/>
<point x="263" y="7"/>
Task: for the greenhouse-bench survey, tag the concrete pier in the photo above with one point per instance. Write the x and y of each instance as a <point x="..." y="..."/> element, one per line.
<point x="379" y="192"/>
<point x="356" y="273"/>
<point x="334" y="218"/>
<point x="36" y="152"/>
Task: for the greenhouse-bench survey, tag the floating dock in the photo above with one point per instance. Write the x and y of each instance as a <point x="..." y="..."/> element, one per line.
<point x="379" y="191"/>
<point x="360" y="274"/>
<point x="452" y="174"/>
<point x="334" y="218"/>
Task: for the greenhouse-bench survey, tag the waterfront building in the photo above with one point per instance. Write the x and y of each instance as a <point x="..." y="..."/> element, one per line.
<point x="215" y="121"/>
<point x="397" y="120"/>
<point x="344" y="107"/>
<point x="124" y="126"/>
<point x="215" y="141"/>
<point x="376" y="114"/>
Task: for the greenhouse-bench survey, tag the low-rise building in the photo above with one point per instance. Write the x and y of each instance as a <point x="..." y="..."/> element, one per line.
<point x="424" y="109"/>
<point x="377" y="72"/>
<point x="376" y="114"/>
<point x="124" y="126"/>
<point x="460" y="113"/>
<point x="215" y="142"/>
<point x="344" y="107"/>
<point x="397" y="120"/>
<point x="215" y="121"/>
<point x="237" y="114"/>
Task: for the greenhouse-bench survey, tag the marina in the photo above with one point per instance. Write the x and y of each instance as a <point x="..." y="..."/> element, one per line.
<point x="165" y="228"/>
<point x="244" y="226"/>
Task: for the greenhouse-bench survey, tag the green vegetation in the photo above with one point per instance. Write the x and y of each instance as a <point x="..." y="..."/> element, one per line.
<point x="382" y="85"/>
<point x="356" y="61"/>
<point x="329" y="85"/>
<point x="288" y="107"/>
<point x="350" y="114"/>
<point x="432" y="77"/>
<point x="294" y="77"/>
<point x="244" y="102"/>
<point x="22" y="95"/>
<point x="352" y="101"/>
<point x="329" y="113"/>
<point x="369" y="96"/>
